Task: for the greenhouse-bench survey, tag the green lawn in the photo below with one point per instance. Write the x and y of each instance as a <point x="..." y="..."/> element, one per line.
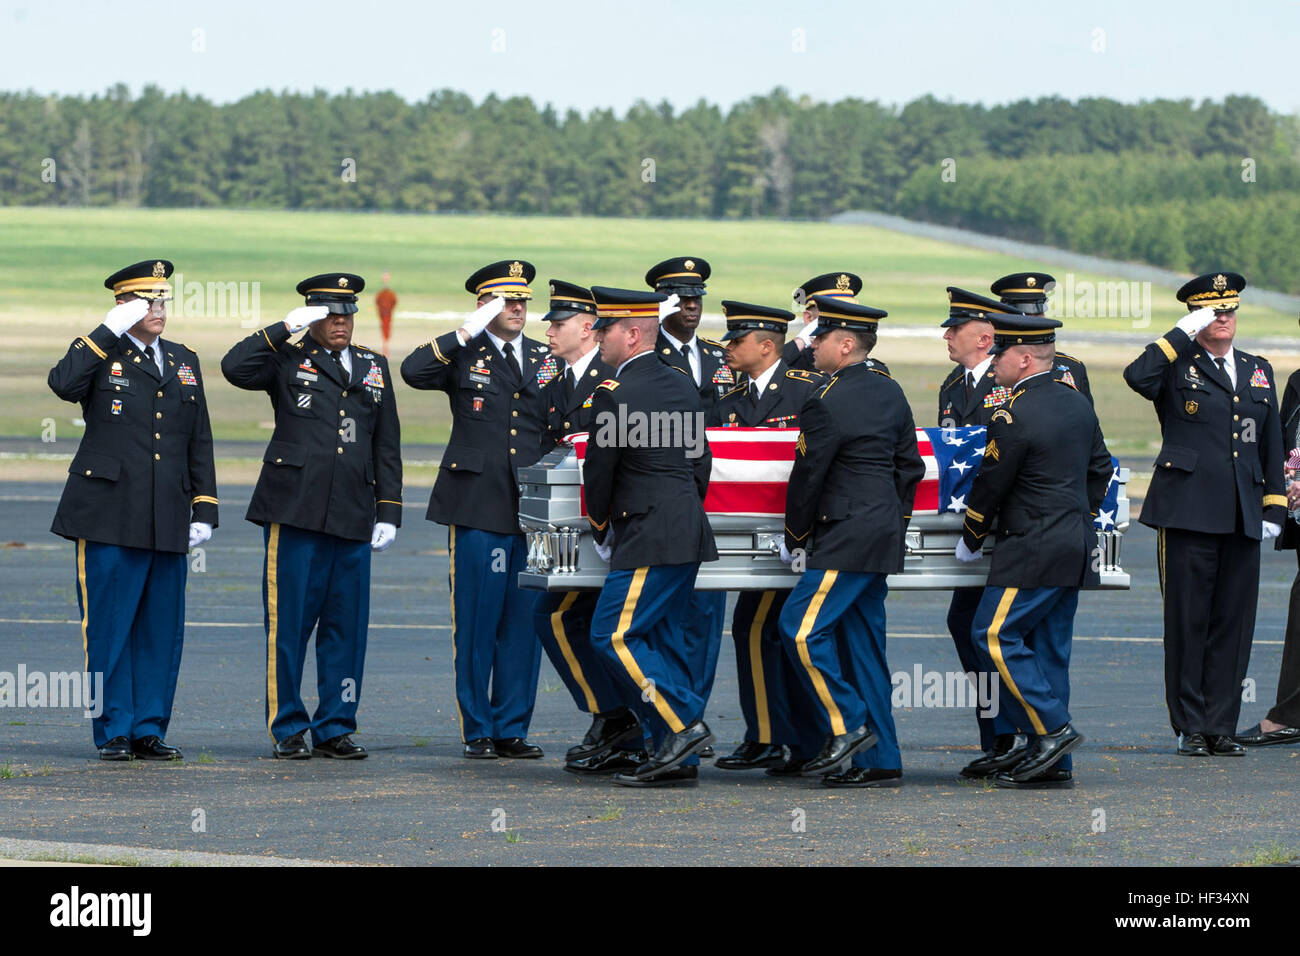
<point x="53" y="262"/>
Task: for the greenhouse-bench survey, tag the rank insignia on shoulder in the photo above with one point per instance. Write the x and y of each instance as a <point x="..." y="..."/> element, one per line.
<point x="1258" y="379"/>
<point x="802" y="375"/>
<point x="998" y="395"/>
<point x="1001" y="415"/>
<point x="609" y="384"/>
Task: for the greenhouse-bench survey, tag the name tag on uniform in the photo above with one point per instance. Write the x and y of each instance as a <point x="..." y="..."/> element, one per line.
<point x="307" y="376"/>
<point x="482" y="378"/>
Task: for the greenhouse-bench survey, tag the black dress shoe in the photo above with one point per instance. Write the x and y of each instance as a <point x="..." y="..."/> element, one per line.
<point x="838" y="750"/>
<point x="676" y="748"/>
<point x="1008" y="750"/>
<point x="791" y="768"/>
<point x="292" y="748"/>
<point x="1051" y="779"/>
<point x="607" y="762"/>
<point x="1044" y="750"/>
<point x="341" y="747"/>
<point x="706" y="753"/>
<point x="1221" y="745"/>
<point x="754" y="756"/>
<point x="1193" y="745"/>
<point x="119" y="748"/>
<point x="606" y="732"/>
<point x="677" y="776"/>
<point x="516" y="747"/>
<point x="1257" y="736"/>
<point x="153" y="748"/>
<point x="480" y="748"/>
<point x="864" y="777"/>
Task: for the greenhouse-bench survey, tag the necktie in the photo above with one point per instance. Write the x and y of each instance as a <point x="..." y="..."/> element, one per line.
<point x="150" y="350"/>
<point x="509" y="351"/>
<point x="970" y="384"/>
<point x="753" y="393"/>
<point x="570" y="383"/>
<point x="1223" y="367"/>
<point x="338" y="362"/>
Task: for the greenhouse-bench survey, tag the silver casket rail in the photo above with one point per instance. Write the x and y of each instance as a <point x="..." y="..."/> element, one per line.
<point x="562" y="555"/>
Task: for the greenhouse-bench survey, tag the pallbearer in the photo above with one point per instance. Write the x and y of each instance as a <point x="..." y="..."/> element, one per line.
<point x="1027" y="292"/>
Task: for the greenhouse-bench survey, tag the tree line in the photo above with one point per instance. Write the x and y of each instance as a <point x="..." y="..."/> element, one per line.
<point x="1171" y="182"/>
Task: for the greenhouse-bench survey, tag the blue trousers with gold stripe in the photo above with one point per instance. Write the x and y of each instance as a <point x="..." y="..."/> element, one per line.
<point x="703" y="635"/>
<point x="637" y="630"/>
<point x="772" y="699"/>
<point x="314" y="581"/>
<point x="494" y="640"/>
<point x="833" y="626"/>
<point x="132" y="603"/>
<point x="563" y="622"/>
<point x="961" y="620"/>
<point x="1024" y="635"/>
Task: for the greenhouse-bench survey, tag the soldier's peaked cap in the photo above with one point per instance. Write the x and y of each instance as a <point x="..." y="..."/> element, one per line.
<point x="1220" y="291"/>
<point x="508" y="279"/>
<point x="839" y="285"/>
<point x="743" y="318"/>
<point x="1021" y="329"/>
<point x="1027" y="291"/>
<point x="963" y="306"/>
<point x="833" y="313"/>
<point x="568" y="299"/>
<point x="615" y="304"/>
<point x="147" y="279"/>
<point x="683" y="276"/>
<point x="337" y="291"/>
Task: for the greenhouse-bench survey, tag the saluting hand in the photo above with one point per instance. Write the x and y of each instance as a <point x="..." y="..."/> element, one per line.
<point x="1193" y="322"/>
<point x="122" y="317"/>
<point x="303" y="316"/>
<point x="805" y="336"/>
<point x="482" y="316"/>
<point x="668" y="306"/>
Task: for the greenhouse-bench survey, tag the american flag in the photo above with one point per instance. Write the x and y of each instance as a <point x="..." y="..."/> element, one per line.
<point x="752" y="465"/>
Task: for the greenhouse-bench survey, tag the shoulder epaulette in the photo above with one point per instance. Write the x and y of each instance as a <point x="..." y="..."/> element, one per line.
<point x="362" y="348"/>
<point x="803" y="375"/>
<point x="880" y="371"/>
<point x="609" y="384"/>
<point x="716" y="345"/>
<point x="1067" y="355"/>
<point x="678" y="368"/>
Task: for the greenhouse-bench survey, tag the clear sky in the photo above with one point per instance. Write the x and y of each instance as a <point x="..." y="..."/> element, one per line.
<point x="589" y="54"/>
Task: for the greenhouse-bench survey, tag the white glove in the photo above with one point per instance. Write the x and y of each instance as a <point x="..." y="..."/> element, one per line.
<point x="1270" y="530"/>
<point x="786" y="556"/>
<point x="965" y="555"/>
<point x="606" y="549"/>
<point x="1193" y="322"/>
<point x="668" y="306"/>
<point x="200" y="531"/>
<point x="122" y="317"/>
<point x="303" y="316"/>
<point x="805" y="335"/>
<point x="384" y="535"/>
<point x="482" y="316"/>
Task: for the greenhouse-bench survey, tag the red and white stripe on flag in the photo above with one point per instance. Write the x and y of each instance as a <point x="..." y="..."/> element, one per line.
<point x="751" y="467"/>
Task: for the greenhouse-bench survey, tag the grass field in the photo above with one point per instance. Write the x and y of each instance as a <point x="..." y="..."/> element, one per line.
<point x="53" y="262"/>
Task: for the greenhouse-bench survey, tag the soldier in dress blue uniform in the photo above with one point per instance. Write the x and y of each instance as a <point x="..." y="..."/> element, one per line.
<point x="1216" y="493"/>
<point x="705" y="362"/>
<point x="644" y="497"/>
<point x="493" y="375"/>
<point x="847" y="506"/>
<point x="329" y="493"/>
<point x="1027" y="292"/>
<point x="798" y="352"/>
<point x="1043" y="477"/>
<point x="141" y="491"/>
<point x="613" y="742"/>
<point x="778" y="714"/>
<point x="970" y="396"/>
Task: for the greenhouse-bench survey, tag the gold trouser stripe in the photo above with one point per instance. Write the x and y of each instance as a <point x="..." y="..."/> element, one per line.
<point x="756" y="667"/>
<point x="451" y="549"/>
<point x="561" y="638"/>
<point x="85" y="603"/>
<point x="801" y="641"/>
<point x="629" y="662"/>
<point x="272" y="625"/>
<point x="995" y="651"/>
<point x="94" y="348"/>
<point x="1166" y="348"/>
<point x="1279" y="500"/>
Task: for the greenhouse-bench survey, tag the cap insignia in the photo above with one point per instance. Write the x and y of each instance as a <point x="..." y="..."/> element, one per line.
<point x="516" y="269"/>
<point x="159" y="271"/>
<point x="842" y="283"/>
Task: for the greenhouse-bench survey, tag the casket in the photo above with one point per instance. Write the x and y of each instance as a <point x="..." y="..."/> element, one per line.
<point x="745" y="505"/>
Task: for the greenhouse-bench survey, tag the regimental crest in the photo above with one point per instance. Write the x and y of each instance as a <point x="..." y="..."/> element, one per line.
<point x="1258" y="379"/>
<point x="996" y="396"/>
<point x="1191" y="407"/>
<point x="547" y="370"/>
<point x="516" y="269"/>
<point x="842" y="283"/>
<point x="159" y="271"/>
<point x="1220" y="282"/>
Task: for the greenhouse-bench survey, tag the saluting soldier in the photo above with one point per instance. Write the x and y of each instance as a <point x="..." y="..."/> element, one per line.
<point x="329" y="493"/>
<point x="682" y="279"/>
<point x="613" y="742"/>
<point x="141" y="491"/>
<point x="1043" y="477"/>
<point x="970" y="396"/>
<point x="1216" y="493"/>
<point x="493" y="376"/>
<point x="848" y="502"/>
<point x="780" y="725"/>
<point x="1027" y="292"/>
<point x="644" y="497"/>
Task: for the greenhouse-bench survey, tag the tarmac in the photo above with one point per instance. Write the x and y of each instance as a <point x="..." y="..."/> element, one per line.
<point x="415" y="800"/>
